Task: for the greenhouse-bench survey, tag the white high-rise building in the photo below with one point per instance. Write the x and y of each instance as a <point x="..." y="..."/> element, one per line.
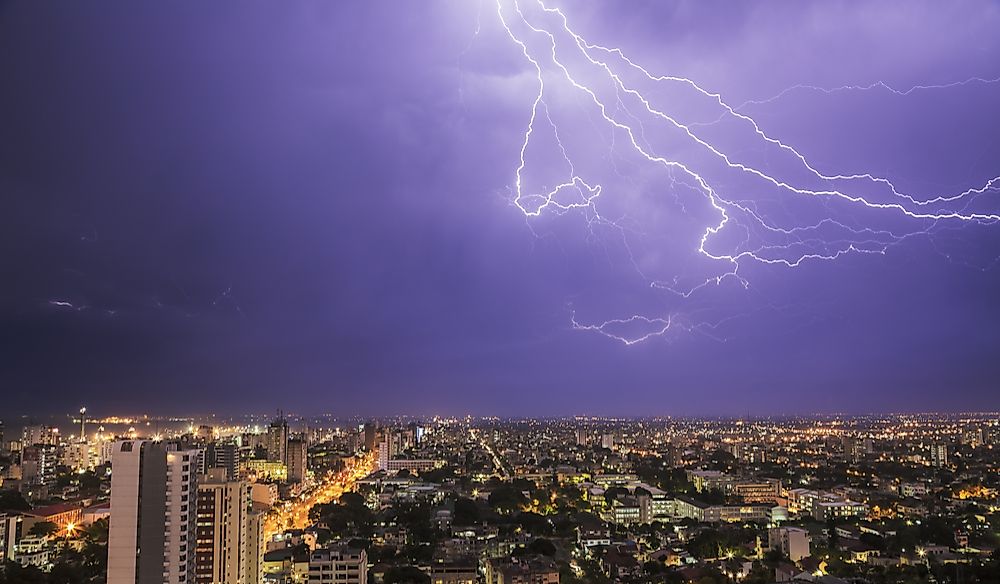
<point x="10" y="535"/>
<point x="153" y="495"/>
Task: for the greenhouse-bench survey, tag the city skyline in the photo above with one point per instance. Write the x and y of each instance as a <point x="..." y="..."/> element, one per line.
<point x="500" y="292"/>
<point x="356" y="209"/>
<point x="887" y="499"/>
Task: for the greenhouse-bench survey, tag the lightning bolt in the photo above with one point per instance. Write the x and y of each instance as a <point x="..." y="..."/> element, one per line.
<point x="848" y="213"/>
<point x="875" y="85"/>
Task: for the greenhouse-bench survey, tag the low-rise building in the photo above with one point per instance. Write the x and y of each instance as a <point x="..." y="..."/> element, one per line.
<point x="338" y="564"/>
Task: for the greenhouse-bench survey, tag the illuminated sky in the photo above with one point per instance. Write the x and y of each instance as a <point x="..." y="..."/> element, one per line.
<point x="335" y="207"/>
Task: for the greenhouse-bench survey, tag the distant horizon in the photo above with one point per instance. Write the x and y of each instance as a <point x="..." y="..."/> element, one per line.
<point x="29" y="419"/>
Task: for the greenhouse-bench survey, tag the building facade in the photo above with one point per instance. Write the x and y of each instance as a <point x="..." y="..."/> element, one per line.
<point x="338" y="565"/>
<point x="153" y="491"/>
<point x="223" y="548"/>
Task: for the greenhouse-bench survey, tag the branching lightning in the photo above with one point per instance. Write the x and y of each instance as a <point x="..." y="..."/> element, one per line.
<point x="734" y="211"/>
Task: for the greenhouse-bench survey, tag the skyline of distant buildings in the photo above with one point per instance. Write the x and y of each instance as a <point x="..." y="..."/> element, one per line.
<point x="256" y="503"/>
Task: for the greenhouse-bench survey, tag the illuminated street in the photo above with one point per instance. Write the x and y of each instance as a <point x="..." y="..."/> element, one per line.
<point x="294" y="514"/>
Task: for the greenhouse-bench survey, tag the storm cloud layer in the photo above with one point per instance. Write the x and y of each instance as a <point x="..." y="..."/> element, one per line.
<point x="232" y="206"/>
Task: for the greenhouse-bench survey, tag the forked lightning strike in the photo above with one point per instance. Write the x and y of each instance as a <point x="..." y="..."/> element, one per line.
<point x="558" y="54"/>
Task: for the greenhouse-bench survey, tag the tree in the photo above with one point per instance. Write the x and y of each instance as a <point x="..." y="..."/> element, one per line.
<point x="15" y="573"/>
<point x="405" y="575"/>
<point x="44" y="529"/>
<point x="352" y="499"/>
<point x="774" y="557"/>
<point x="507" y="499"/>
<point x="652" y="568"/>
<point x="349" y="514"/>
<point x="438" y="475"/>
<point x="614" y="493"/>
<point x="11" y="500"/>
<point x="97" y="531"/>
<point x="534" y="523"/>
<point x="542" y="546"/>
<point x="466" y="512"/>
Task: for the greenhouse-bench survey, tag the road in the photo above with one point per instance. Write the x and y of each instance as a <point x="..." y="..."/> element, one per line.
<point x="294" y="514"/>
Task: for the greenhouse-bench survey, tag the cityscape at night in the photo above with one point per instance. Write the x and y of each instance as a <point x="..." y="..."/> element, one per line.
<point x="500" y="292"/>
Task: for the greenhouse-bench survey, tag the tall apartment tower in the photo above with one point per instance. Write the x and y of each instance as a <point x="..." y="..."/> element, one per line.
<point x="582" y="436"/>
<point x="297" y="459"/>
<point x="852" y="448"/>
<point x="939" y="455"/>
<point x="224" y="455"/>
<point x="153" y="491"/>
<point x="388" y="449"/>
<point x="10" y="535"/>
<point x="256" y="547"/>
<point x="225" y="552"/>
<point x="277" y="440"/>
<point x="370" y="436"/>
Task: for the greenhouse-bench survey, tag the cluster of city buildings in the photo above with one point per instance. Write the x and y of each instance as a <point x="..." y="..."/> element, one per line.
<point x="193" y="503"/>
<point x="468" y="501"/>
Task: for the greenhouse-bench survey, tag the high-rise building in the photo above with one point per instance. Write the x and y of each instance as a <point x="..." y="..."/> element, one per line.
<point x="256" y="546"/>
<point x="297" y="460"/>
<point x="277" y="440"/>
<point x="582" y="436"/>
<point x="370" y="436"/>
<point x="36" y="434"/>
<point x="338" y="565"/>
<point x="38" y="463"/>
<point x="205" y="433"/>
<point x="973" y="437"/>
<point x="222" y="455"/>
<point x="608" y="441"/>
<point x="939" y="455"/>
<point x="153" y="496"/>
<point x="10" y="535"/>
<point x="79" y="456"/>
<point x="388" y="449"/>
<point x="852" y="448"/>
<point x="224" y="548"/>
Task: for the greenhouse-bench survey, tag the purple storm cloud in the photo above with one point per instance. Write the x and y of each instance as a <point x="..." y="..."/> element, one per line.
<point x="527" y="208"/>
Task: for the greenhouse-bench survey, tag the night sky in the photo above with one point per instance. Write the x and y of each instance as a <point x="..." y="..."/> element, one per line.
<point x="239" y="206"/>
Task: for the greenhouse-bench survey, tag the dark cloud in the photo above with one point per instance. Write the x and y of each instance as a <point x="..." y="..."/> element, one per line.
<point x="235" y="206"/>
